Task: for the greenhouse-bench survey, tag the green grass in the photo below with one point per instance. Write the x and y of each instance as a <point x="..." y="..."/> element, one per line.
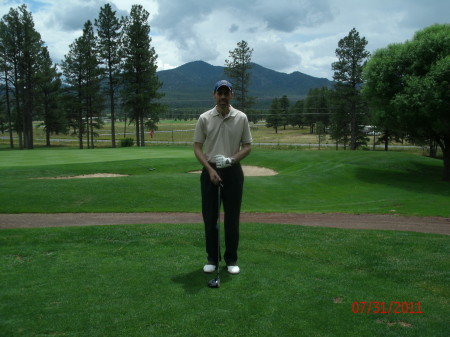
<point x="146" y="280"/>
<point x="308" y="181"/>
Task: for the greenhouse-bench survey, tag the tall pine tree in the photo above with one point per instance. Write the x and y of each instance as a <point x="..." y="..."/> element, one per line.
<point x="82" y="73"/>
<point x="140" y="82"/>
<point x="296" y="117"/>
<point x="21" y="45"/>
<point x="352" y="56"/>
<point x="284" y="110"/>
<point x="238" y="68"/>
<point x="110" y="51"/>
<point x="6" y="76"/>
<point x="49" y="90"/>
<point x="274" y="119"/>
<point x="28" y="66"/>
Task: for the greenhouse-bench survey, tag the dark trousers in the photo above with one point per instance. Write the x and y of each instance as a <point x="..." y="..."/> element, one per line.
<point x="231" y="195"/>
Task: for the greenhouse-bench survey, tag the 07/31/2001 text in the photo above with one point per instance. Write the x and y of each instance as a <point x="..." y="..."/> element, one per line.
<point x="392" y="307"/>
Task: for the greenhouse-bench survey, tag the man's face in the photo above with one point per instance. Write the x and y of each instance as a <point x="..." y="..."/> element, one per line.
<point x="223" y="95"/>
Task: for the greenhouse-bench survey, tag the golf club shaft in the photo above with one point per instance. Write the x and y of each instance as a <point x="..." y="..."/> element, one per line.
<point x="219" y="197"/>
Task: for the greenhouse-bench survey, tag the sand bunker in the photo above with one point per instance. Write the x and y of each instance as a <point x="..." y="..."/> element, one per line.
<point x="249" y="171"/>
<point x="254" y="171"/>
<point x="86" y="176"/>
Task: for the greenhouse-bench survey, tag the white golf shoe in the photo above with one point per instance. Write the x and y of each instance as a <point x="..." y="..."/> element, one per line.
<point x="233" y="270"/>
<point x="209" y="268"/>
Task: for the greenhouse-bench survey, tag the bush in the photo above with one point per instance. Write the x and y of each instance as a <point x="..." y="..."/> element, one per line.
<point x="126" y="142"/>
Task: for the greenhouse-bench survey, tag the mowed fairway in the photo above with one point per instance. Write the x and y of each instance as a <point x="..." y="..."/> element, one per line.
<point x="146" y="280"/>
<point x="158" y="181"/>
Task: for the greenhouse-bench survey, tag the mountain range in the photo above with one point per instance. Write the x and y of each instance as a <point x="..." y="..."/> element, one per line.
<point x="191" y="85"/>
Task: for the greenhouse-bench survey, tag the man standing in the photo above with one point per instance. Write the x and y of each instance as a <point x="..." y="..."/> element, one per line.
<point x="222" y="139"/>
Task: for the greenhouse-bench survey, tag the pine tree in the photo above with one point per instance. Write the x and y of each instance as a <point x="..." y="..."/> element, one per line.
<point x="352" y="56"/>
<point x="284" y="110"/>
<point x="110" y="51"/>
<point x="92" y="96"/>
<point x="72" y="67"/>
<point x="21" y="45"/>
<point x="49" y="91"/>
<point x="5" y="72"/>
<point x="80" y="67"/>
<point x="238" y="68"/>
<point x="141" y="84"/>
<point x="274" y="119"/>
<point x="340" y="121"/>
<point x="295" y="117"/>
<point x="31" y="47"/>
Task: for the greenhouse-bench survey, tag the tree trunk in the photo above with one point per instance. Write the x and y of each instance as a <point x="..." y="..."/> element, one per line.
<point x="138" y="138"/>
<point x="19" y="121"/>
<point x="28" y="129"/>
<point x="113" y="114"/>
<point x="92" y="132"/>
<point x="433" y="148"/>
<point x="345" y="141"/>
<point x="8" y="111"/>
<point x="445" y="147"/>
<point x="142" y="133"/>
<point x="88" y="134"/>
<point x="446" y="175"/>
<point x="46" y="121"/>
<point x="20" y="135"/>
<point x="80" y="128"/>
<point x="27" y="112"/>
<point x="353" y="130"/>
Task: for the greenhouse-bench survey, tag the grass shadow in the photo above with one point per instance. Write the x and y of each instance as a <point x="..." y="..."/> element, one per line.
<point x="418" y="177"/>
<point x="197" y="280"/>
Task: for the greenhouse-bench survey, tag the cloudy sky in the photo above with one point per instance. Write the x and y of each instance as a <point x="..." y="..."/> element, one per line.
<point x="286" y="35"/>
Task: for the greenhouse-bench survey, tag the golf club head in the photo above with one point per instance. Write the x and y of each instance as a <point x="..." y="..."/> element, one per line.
<point x="214" y="283"/>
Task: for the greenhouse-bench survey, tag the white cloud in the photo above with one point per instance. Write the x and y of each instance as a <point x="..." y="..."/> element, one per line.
<point x="317" y="55"/>
<point x="286" y="35"/>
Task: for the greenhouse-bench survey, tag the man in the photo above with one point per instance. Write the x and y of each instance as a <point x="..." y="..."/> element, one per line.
<point x="222" y="139"/>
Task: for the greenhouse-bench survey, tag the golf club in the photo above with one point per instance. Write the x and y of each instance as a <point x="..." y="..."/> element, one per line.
<point x="215" y="282"/>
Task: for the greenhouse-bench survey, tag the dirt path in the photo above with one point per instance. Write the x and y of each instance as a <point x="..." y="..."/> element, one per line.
<point x="435" y="225"/>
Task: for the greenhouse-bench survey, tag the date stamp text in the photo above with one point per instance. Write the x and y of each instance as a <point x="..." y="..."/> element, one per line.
<point x="392" y="307"/>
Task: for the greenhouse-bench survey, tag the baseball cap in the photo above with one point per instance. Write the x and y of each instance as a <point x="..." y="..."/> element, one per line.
<point x="223" y="83"/>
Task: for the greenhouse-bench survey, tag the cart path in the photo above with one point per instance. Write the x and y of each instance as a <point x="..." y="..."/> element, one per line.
<point x="437" y="225"/>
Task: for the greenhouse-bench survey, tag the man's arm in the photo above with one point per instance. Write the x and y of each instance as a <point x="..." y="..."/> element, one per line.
<point x="244" y="152"/>
<point x="213" y="175"/>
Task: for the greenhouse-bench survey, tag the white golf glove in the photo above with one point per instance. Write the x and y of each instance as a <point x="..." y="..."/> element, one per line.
<point x="222" y="161"/>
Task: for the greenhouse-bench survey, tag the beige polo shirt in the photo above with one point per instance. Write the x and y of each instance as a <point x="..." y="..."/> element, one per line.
<point x="222" y="135"/>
